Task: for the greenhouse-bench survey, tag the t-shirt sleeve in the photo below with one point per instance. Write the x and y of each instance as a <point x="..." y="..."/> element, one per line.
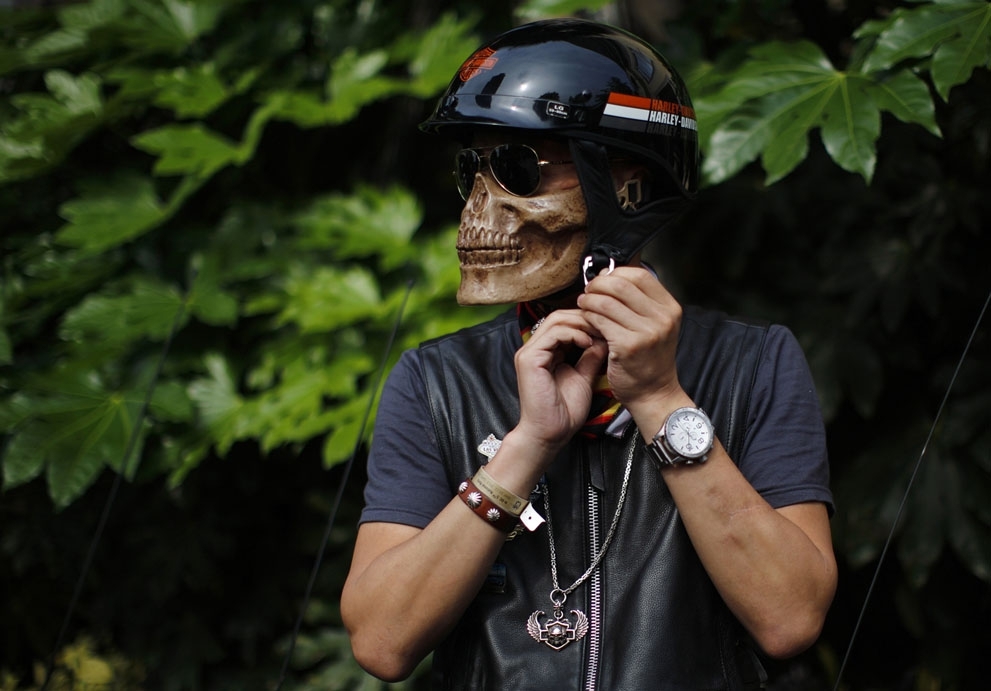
<point x="406" y="479"/>
<point x="784" y="456"/>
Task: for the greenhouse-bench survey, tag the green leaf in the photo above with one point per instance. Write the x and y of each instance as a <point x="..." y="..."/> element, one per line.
<point x="72" y="427"/>
<point x="169" y="26"/>
<point x="170" y="401"/>
<point x="956" y="34"/>
<point x="187" y="149"/>
<point x="48" y="125"/>
<point x="851" y="124"/>
<point x="542" y="9"/>
<point x="79" y="95"/>
<point x="110" y="321"/>
<point x="208" y="301"/>
<point x="363" y="224"/>
<point x="907" y="98"/>
<point x="435" y="54"/>
<point x="21" y="461"/>
<point x="326" y="298"/>
<point x="91" y="15"/>
<point x="354" y="82"/>
<point x="294" y="410"/>
<point x="111" y="213"/>
<point x="773" y="102"/>
<point x="190" y="91"/>
<point x="340" y="443"/>
<point x="218" y="401"/>
<point x="781" y="88"/>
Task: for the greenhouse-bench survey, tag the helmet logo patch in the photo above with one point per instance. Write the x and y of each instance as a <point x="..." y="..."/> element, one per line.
<point x="481" y="60"/>
<point x="648" y="115"/>
<point x="558" y="110"/>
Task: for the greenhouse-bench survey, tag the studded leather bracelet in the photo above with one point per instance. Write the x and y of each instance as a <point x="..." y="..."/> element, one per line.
<point x="485" y="508"/>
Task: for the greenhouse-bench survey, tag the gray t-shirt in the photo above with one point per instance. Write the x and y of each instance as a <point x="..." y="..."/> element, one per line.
<point x="784" y="455"/>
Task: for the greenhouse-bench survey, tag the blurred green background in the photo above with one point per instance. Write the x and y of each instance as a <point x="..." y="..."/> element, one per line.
<point x="212" y="211"/>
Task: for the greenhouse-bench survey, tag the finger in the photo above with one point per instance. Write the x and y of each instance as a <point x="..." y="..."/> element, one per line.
<point x="563" y="327"/>
<point x="589" y="365"/>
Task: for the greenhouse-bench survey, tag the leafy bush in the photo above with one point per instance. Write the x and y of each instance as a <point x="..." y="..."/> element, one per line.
<point x="213" y="212"/>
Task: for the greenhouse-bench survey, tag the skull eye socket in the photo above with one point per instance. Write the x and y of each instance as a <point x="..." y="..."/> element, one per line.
<point x="515" y="167"/>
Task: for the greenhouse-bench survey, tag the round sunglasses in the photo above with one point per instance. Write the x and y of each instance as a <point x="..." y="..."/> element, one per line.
<point x="516" y="167"/>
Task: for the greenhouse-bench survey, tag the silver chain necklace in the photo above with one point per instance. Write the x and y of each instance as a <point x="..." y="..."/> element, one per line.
<point x="558" y="631"/>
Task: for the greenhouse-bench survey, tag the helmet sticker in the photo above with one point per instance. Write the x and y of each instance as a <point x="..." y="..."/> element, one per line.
<point x="558" y="110"/>
<point x="481" y="60"/>
<point x="643" y="114"/>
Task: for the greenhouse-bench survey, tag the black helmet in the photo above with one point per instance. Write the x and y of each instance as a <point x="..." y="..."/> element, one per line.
<point x="577" y="79"/>
<point x="597" y="86"/>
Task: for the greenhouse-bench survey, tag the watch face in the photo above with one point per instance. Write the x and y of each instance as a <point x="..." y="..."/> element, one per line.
<point x="689" y="433"/>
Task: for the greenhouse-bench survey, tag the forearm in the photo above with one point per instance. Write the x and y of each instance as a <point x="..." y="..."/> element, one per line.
<point x="773" y="576"/>
<point x="773" y="568"/>
<point x="399" y="605"/>
<point x="408" y="587"/>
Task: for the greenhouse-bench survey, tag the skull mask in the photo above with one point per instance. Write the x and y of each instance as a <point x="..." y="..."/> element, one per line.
<point x="513" y="249"/>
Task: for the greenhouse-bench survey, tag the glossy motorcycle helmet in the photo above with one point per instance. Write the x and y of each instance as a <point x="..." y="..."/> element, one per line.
<point x="604" y="90"/>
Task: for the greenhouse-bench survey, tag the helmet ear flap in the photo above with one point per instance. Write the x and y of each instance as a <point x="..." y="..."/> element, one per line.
<point x="616" y="233"/>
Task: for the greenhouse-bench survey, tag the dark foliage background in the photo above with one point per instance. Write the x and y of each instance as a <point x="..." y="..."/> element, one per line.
<point x="252" y="173"/>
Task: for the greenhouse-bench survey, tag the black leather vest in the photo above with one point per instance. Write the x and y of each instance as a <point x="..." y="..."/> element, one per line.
<point x="655" y="619"/>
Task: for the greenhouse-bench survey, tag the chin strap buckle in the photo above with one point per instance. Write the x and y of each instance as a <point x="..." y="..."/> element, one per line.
<point x="591" y="268"/>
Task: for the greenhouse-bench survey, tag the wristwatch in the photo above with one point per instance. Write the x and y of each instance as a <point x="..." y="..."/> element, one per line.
<point x="685" y="438"/>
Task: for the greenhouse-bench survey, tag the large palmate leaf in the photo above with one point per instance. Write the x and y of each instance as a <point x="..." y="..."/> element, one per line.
<point x="770" y="105"/>
<point x="70" y="425"/>
<point x="956" y="34"/>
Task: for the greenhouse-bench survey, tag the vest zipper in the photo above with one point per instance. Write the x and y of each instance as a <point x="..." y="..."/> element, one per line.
<point x="595" y="594"/>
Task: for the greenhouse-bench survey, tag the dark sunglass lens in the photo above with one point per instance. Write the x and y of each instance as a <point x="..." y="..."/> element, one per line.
<point x="466" y="164"/>
<point x="516" y="168"/>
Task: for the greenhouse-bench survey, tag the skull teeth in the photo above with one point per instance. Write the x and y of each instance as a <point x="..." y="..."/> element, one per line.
<point x="483" y="257"/>
<point x="486" y="248"/>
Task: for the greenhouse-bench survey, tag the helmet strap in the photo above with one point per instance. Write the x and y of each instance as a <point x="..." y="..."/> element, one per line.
<point x="616" y="230"/>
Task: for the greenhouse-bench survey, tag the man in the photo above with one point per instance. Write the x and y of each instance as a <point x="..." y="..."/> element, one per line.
<point x="549" y="504"/>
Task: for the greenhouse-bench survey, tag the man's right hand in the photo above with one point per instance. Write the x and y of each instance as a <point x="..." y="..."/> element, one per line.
<point x="555" y="395"/>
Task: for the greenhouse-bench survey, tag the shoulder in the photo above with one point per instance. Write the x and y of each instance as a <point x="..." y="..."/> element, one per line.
<point x="493" y="328"/>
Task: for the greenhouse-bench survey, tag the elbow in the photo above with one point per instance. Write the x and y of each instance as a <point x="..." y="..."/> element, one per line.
<point x="379" y="659"/>
<point x="798" y="621"/>
<point x="789" y="639"/>
<point x="386" y="649"/>
<point x="795" y="631"/>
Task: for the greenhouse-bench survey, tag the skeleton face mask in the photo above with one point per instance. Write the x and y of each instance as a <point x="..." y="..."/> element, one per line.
<point x="513" y="249"/>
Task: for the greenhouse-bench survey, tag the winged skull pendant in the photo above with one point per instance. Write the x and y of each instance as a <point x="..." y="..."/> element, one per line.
<point x="557" y="631"/>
